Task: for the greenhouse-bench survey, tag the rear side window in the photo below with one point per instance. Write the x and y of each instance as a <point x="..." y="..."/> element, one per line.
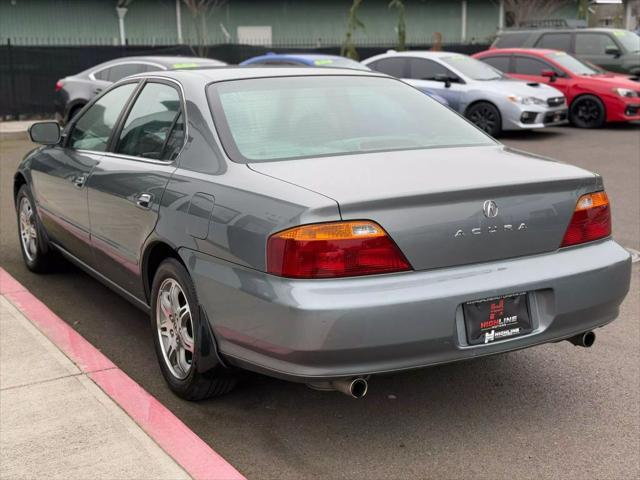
<point x="593" y="43"/>
<point x="500" y="62"/>
<point x="118" y="72"/>
<point x="555" y="41"/>
<point x="529" y="66"/>
<point x="396" y="67"/>
<point x="153" y="128"/>
<point x="422" y="69"/>
<point x="93" y="128"/>
<point x="511" y="40"/>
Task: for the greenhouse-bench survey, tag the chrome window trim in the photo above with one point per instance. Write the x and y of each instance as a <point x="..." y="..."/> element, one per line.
<point x="92" y="75"/>
<point x="184" y="113"/>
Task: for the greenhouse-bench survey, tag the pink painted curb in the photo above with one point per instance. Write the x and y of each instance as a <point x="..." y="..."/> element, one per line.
<point x="199" y="460"/>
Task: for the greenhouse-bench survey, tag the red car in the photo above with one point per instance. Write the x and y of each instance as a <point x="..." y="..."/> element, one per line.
<point x="594" y="96"/>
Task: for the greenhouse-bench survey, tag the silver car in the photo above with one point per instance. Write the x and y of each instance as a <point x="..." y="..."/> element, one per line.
<point x="320" y="225"/>
<point x="481" y="93"/>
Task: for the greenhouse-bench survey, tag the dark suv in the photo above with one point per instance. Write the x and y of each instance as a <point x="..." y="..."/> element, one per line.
<point x="611" y="49"/>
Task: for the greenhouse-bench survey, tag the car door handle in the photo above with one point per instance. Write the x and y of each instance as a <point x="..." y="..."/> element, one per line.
<point x="79" y="181"/>
<point x="144" y="200"/>
<point x="97" y="91"/>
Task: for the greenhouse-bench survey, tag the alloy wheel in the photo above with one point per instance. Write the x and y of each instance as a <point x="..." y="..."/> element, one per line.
<point x="484" y="118"/>
<point x="175" y="328"/>
<point x="28" y="230"/>
<point x="588" y="111"/>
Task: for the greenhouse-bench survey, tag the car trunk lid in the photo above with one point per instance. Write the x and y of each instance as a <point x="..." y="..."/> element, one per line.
<point x="435" y="202"/>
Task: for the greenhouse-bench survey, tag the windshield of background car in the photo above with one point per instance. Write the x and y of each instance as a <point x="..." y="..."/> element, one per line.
<point x="630" y="40"/>
<point x="266" y="119"/>
<point x="472" y="68"/>
<point x="338" y="62"/>
<point x="572" y="64"/>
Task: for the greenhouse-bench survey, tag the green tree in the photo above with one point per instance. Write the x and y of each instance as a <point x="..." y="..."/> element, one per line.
<point x="353" y="23"/>
<point x="402" y="26"/>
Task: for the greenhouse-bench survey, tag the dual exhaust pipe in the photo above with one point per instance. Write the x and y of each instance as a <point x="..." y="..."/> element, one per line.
<point x="357" y="387"/>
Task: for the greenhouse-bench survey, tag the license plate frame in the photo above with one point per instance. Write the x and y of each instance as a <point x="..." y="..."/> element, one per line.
<point x="495" y="319"/>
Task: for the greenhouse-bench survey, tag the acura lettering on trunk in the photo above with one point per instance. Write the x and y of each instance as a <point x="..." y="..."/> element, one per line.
<point x="320" y="225"/>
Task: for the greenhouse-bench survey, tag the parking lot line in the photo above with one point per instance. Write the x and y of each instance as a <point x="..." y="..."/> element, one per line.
<point x="174" y="437"/>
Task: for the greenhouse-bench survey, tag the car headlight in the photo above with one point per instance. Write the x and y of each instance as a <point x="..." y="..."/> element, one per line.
<point x="526" y="100"/>
<point x="626" y="92"/>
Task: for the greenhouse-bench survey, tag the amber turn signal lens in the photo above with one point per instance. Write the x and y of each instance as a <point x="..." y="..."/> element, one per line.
<point x="330" y="250"/>
<point x="591" y="220"/>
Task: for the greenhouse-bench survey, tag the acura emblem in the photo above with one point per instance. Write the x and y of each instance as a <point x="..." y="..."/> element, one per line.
<point x="490" y="209"/>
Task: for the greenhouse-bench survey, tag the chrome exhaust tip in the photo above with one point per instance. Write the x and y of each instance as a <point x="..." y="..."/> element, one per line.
<point x="354" y="387"/>
<point x="586" y="339"/>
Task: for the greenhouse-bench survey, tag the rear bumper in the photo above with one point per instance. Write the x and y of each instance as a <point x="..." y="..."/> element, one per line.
<point x="311" y="330"/>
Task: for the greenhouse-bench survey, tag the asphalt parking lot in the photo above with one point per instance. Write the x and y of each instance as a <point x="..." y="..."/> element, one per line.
<point x="554" y="411"/>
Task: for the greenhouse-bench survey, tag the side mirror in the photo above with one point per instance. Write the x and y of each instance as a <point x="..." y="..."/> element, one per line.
<point x="550" y="74"/>
<point x="443" y="77"/>
<point x="612" y="50"/>
<point x="45" y="133"/>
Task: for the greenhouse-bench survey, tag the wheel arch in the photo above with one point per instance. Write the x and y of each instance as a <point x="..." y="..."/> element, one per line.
<point x="154" y="254"/>
<point x="594" y="95"/>
<point x="485" y="100"/>
<point x="19" y="179"/>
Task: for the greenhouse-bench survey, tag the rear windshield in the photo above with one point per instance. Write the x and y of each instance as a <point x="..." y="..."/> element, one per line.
<point x="575" y="66"/>
<point x="266" y="119"/>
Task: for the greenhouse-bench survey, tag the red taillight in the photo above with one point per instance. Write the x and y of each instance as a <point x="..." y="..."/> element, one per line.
<point x="591" y="220"/>
<point x="59" y="85"/>
<point x="329" y="250"/>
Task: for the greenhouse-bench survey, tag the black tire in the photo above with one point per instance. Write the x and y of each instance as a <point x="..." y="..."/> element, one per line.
<point x="587" y="111"/>
<point x="36" y="252"/>
<point x="191" y="384"/>
<point x="486" y="117"/>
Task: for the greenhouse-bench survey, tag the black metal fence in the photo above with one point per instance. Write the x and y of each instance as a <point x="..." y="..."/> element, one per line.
<point x="28" y="74"/>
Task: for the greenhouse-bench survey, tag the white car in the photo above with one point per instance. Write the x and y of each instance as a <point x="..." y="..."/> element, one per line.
<point x="488" y="98"/>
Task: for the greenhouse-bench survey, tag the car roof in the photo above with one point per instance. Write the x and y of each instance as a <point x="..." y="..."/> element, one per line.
<point x="296" y="56"/>
<point x="167" y="61"/>
<point x="559" y="30"/>
<point x="217" y="74"/>
<point x="530" y="51"/>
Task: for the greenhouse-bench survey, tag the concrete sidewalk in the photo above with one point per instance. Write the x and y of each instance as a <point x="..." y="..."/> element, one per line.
<point x="55" y="422"/>
<point x="15" y="129"/>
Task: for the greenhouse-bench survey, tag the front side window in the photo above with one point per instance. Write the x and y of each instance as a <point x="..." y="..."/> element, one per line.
<point x="593" y="43"/>
<point x="630" y="40"/>
<point x="571" y="64"/>
<point x="92" y="130"/>
<point x="309" y="116"/>
<point x="396" y="67"/>
<point x="500" y="62"/>
<point x="556" y="41"/>
<point x="472" y="68"/>
<point x="153" y="128"/>
<point x="423" y="69"/>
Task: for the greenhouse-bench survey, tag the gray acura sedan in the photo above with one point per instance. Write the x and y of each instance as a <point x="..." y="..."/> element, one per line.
<point x="319" y="225"/>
